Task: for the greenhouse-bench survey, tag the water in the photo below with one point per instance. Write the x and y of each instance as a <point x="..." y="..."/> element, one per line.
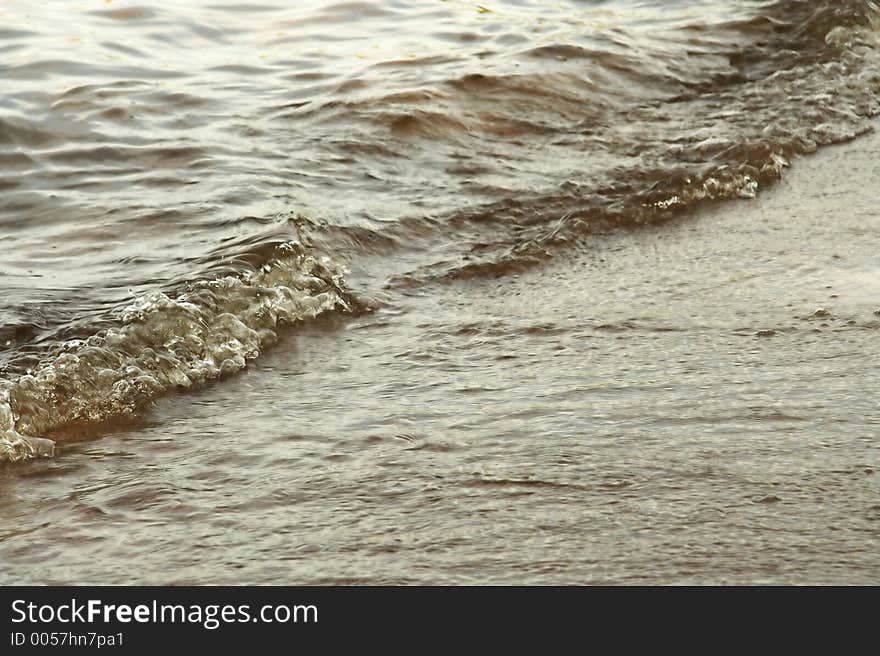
<point x="438" y="292"/>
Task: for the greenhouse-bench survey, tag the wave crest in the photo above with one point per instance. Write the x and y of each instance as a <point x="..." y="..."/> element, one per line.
<point x="163" y="342"/>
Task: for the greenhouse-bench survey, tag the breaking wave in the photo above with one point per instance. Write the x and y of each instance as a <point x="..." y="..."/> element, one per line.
<point x="163" y="342"/>
<point x="487" y="143"/>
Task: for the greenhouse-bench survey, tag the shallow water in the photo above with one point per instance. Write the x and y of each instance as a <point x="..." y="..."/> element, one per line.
<point x="473" y="315"/>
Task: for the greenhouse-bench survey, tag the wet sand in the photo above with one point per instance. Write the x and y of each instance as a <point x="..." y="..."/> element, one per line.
<point x="691" y="403"/>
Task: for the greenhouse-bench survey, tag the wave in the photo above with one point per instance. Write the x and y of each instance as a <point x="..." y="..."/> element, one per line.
<point x="796" y="77"/>
<point x="484" y="168"/>
<point x="208" y="329"/>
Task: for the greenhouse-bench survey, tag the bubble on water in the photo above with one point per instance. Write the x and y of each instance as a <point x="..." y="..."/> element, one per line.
<point x="163" y="342"/>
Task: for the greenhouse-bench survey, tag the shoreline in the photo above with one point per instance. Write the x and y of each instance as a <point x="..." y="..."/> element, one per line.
<point x="665" y="407"/>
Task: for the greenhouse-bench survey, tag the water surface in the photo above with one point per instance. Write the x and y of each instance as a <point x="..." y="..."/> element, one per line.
<point x="437" y="292"/>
